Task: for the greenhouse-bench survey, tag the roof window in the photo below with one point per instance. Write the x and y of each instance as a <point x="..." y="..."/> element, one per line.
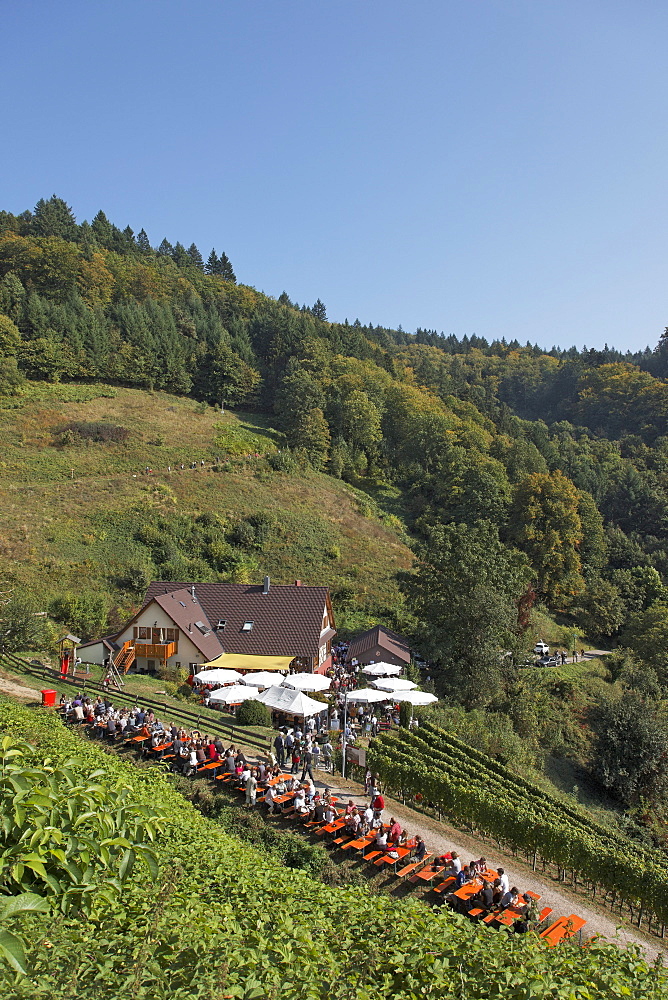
<point x="182" y="604"/>
<point x="247" y="626"/>
<point x="222" y="622"/>
<point x="204" y="629"/>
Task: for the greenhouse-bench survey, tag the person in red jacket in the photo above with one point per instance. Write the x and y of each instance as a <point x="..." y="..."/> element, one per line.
<point x="378" y="803"/>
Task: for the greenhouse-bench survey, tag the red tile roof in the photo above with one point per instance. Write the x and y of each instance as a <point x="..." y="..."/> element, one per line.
<point x="379" y="636"/>
<point x="287" y="621"/>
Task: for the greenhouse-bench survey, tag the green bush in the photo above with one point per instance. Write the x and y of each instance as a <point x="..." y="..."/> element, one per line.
<point x="253" y="713"/>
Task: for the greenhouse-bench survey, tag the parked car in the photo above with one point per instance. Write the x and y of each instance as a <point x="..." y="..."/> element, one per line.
<point x="541" y="649"/>
<point x="548" y="661"/>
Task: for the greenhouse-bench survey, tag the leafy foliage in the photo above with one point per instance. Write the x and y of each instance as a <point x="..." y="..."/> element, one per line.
<point x="278" y="932"/>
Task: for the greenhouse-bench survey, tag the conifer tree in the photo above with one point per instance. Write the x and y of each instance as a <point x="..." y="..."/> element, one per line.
<point x="195" y="256"/>
<point x="102" y="230"/>
<point x="180" y="255"/>
<point x="54" y="218"/>
<point x="165" y="249"/>
<point x="319" y="310"/>
<point x="225" y="268"/>
<point x="212" y="263"/>
<point x="143" y="243"/>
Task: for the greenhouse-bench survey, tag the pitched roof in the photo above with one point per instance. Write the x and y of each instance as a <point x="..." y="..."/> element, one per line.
<point x="382" y="637"/>
<point x="286" y="621"/>
<point x="188" y="614"/>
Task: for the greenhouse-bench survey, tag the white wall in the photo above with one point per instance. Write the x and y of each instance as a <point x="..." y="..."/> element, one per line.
<point x="187" y="651"/>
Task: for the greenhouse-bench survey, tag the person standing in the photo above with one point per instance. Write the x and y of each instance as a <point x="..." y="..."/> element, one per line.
<point x="307" y="767"/>
<point x="251" y="788"/>
<point x="279" y="746"/>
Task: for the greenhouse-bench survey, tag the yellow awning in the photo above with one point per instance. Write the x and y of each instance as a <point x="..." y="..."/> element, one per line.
<point x="240" y="661"/>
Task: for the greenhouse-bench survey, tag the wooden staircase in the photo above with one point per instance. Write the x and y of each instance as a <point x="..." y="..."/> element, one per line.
<point x="121" y="663"/>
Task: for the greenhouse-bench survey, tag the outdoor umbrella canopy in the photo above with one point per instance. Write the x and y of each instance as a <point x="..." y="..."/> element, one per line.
<point x="415" y="697"/>
<point x="290" y="701"/>
<point x="367" y="696"/>
<point x="381" y="670"/>
<point x="307" y="682"/>
<point x="394" y="684"/>
<point x="235" y="694"/>
<point x="218" y="676"/>
<point x="262" y="679"/>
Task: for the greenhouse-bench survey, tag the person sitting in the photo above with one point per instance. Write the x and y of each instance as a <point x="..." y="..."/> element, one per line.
<point x="394" y="831"/>
<point x="350" y="808"/>
<point x="510" y="898"/>
<point x="330" y="813"/>
<point x="464" y="876"/>
<point x="381" y="839"/>
<point x="497" y="891"/>
<point x="299" y="803"/>
<point x="480" y="866"/>
<point x="403" y="839"/>
<point x="454" y="866"/>
<point x="420" y="849"/>
<point x="485" y="898"/>
<point x="353" y="821"/>
<point x="319" y="811"/>
<point x="230" y="766"/>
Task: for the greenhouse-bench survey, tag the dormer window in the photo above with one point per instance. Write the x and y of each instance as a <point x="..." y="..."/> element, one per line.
<point x="222" y="622"/>
<point x="247" y="626"/>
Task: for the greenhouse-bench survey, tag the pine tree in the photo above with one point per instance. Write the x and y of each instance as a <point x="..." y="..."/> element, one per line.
<point x="319" y="310"/>
<point x="195" y="256"/>
<point x="166" y="249"/>
<point x="225" y="269"/>
<point x="102" y="230"/>
<point x="180" y="255"/>
<point x="212" y="263"/>
<point x="54" y="218"/>
<point x="143" y="243"/>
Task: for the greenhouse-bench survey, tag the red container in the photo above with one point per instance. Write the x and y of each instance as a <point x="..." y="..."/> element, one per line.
<point x="49" y="698"/>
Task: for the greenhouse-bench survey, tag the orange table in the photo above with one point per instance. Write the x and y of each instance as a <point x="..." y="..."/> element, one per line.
<point x="564" y="927"/>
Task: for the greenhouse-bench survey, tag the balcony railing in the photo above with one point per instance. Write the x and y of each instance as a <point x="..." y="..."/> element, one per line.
<point x="156" y="651"/>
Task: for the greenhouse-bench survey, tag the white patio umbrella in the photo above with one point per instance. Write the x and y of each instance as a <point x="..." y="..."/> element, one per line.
<point x="366" y="696"/>
<point x="218" y="676"/>
<point x="415" y="697"/>
<point x="393" y="684"/>
<point x="261" y="679"/>
<point x="235" y="694"/>
<point x="381" y="670"/>
<point x="307" y="682"/>
<point x="291" y="702"/>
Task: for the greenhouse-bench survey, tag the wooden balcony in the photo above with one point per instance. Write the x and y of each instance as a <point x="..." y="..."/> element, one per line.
<point x="156" y="651"/>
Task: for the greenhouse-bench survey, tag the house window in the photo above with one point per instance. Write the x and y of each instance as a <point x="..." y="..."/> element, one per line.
<point x="172" y="634"/>
<point x="178" y="664"/>
<point x="141" y="632"/>
<point x="322" y="654"/>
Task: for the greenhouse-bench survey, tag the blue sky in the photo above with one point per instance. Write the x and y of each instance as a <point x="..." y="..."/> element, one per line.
<point x="484" y="166"/>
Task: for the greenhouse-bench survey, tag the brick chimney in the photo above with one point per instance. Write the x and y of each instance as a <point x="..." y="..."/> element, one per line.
<point x="298" y="583"/>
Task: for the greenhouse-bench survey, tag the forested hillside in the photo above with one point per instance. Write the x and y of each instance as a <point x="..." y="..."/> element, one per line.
<point x="533" y="483"/>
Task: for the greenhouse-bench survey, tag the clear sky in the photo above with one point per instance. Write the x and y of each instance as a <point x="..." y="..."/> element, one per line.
<point x="482" y="166"/>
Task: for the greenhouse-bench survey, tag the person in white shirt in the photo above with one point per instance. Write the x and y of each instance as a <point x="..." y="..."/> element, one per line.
<point x="455" y="865"/>
<point x="505" y="881"/>
<point x="381" y="838"/>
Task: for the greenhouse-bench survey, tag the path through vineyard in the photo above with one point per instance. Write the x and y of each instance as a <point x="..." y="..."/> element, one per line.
<point x="441" y="837"/>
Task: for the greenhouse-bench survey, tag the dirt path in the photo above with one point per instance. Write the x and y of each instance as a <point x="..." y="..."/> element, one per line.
<point x="16" y="690"/>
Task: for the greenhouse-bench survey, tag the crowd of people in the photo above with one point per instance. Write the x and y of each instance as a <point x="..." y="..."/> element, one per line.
<point x="296" y="794"/>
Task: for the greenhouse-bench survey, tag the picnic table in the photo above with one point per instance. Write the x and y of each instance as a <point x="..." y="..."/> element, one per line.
<point x="562" y="928"/>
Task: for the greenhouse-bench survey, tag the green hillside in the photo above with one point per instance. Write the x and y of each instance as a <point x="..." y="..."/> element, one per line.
<point x="84" y="515"/>
<point x="530" y="484"/>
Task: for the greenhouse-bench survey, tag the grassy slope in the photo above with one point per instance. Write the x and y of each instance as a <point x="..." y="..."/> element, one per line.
<point x="67" y="514"/>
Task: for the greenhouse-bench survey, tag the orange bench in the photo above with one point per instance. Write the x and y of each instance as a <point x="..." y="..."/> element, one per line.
<point x="562" y="928"/>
